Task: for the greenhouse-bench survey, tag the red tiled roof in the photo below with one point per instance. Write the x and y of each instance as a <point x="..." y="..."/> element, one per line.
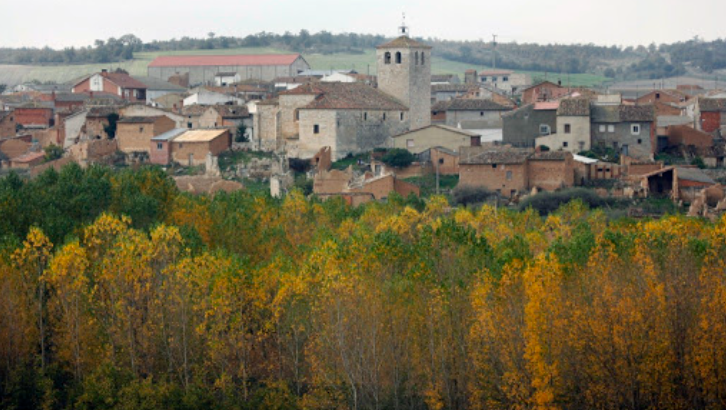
<point x="404" y="42"/>
<point x="343" y="96"/>
<point x="124" y="80"/>
<point x="238" y="60"/>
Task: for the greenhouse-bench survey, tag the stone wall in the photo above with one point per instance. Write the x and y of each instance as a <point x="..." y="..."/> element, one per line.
<point x="550" y="175"/>
<point x="136" y="137"/>
<point x="639" y="145"/>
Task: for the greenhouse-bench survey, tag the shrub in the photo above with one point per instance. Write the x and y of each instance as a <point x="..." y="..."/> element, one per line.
<point x="52" y="152"/>
<point x="548" y="202"/>
<point x="398" y="158"/>
<point x="467" y="195"/>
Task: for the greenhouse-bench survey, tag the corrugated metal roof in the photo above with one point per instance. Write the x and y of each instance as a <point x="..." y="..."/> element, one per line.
<point x="199" y="135"/>
<point x="234" y="60"/>
<point x="169" y="135"/>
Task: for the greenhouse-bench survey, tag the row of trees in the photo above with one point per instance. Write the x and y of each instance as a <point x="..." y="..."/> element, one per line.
<point x="109" y="51"/>
<point x="248" y="302"/>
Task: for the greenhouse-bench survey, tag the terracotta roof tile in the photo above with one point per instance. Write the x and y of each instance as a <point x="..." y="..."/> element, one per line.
<point x="124" y="80"/>
<point x="343" y="96"/>
<point x="712" y="104"/>
<point x="574" y="107"/>
<point x="470" y="156"/>
<point x="471" y="104"/>
<point x="634" y="113"/>
<point x="403" y="42"/>
<point x="139" y="120"/>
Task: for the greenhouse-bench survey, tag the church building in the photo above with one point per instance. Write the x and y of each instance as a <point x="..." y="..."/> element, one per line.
<point x="351" y="118"/>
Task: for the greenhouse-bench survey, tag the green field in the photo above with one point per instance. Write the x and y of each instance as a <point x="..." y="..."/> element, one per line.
<point x="363" y="63"/>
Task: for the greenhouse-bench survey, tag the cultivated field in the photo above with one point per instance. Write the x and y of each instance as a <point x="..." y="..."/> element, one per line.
<point x="363" y="63"/>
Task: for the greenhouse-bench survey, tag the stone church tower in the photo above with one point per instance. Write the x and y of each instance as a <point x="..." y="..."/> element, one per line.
<point x="404" y="72"/>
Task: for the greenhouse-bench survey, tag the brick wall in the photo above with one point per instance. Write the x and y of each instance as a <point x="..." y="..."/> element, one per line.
<point x="684" y="135"/>
<point x="504" y="178"/>
<point x="182" y="152"/>
<point x="710" y="121"/>
<point x="550" y="175"/>
<point x="135" y="137"/>
<point x="160" y="152"/>
<point x="450" y="165"/>
<point x="7" y="126"/>
<point x="33" y="116"/>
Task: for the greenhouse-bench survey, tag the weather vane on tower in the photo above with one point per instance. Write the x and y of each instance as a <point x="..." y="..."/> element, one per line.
<point x="403" y="30"/>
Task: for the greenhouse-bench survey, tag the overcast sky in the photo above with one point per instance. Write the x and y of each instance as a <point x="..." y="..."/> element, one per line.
<point x="61" y="23"/>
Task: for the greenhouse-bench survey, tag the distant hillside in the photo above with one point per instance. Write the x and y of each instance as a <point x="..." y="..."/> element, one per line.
<point x="328" y="50"/>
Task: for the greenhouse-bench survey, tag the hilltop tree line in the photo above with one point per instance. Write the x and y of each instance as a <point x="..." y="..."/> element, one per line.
<point x="119" y="292"/>
<point x="615" y="61"/>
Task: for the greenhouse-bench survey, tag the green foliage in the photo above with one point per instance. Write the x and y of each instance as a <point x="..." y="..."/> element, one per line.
<point x="548" y="202"/>
<point x="698" y="161"/>
<point x="398" y="158"/>
<point x="241" y="133"/>
<point x="351" y="159"/>
<point x="304" y="184"/>
<point x="52" y="152"/>
<point x="468" y="195"/>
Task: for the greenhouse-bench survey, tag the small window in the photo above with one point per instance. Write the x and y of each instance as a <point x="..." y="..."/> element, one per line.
<point x="611" y="128"/>
<point x="602" y="128"/>
<point x="384" y="116"/>
<point x="401" y="116"/>
<point x="635" y="129"/>
<point x="494" y="166"/>
<point x="409" y="144"/>
<point x="505" y="79"/>
<point x="657" y="96"/>
<point x="365" y="116"/>
<point x="544" y="129"/>
<point x="398" y="57"/>
<point x="141" y="129"/>
<point x="189" y="125"/>
<point x="316" y="129"/>
<point x="181" y="145"/>
<point x="387" y="58"/>
<point x="564" y="144"/>
<point x="509" y="175"/>
<point x="640" y="141"/>
<point x="481" y="113"/>
<point x="483" y="79"/>
<point x="417" y="58"/>
<point x="159" y="145"/>
<point x="494" y="79"/>
<point x="567" y="128"/>
<point x="423" y="58"/>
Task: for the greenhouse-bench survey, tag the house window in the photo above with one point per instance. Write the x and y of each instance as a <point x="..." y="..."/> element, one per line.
<point x="509" y="175"/>
<point x="481" y="113"/>
<point x="601" y="128"/>
<point x="567" y="128"/>
<point x="398" y="57"/>
<point x="564" y="144"/>
<point x="423" y="58"/>
<point x="417" y="58"/>
<point x="189" y="125"/>
<point x="401" y="116"/>
<point x="387" y="58"/>
<point x="635" y="129"/>
<point x="505" y="79"/>
<point x="384" y="116"/>
<point x="494" y="166"/>
<point x="181" y="145"/>
<point x="409" y="144"/>
<point x="316" y="129"/>
<point x="483" y="79"/>
<point x="365" y="116"/>
<point x="494" y="79"/>
<point x="640" y="141"/>
<point x="544" y="129"/>
<point x="141" y="129"/>
<point x="611" y="128"/>
<point x="159" y="145"/>
<point x="657" y="96"/>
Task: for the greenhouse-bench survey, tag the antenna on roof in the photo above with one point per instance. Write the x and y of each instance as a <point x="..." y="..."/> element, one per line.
<point x="403" y="29"/>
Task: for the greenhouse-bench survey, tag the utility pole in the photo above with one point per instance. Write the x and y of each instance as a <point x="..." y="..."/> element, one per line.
<point x="494" y="51"/>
